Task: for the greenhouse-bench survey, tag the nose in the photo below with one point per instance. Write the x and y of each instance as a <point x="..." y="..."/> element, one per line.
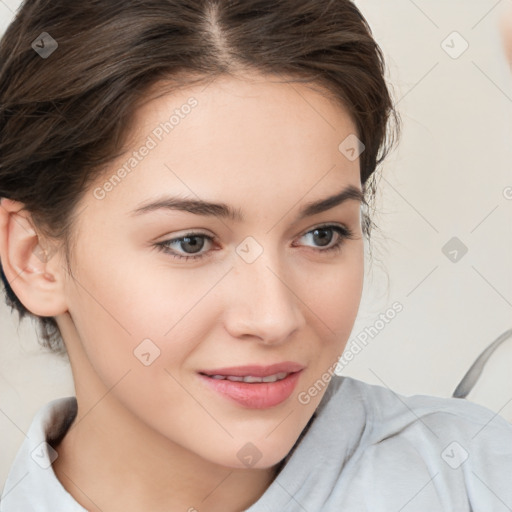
<point x="262" y="303"/>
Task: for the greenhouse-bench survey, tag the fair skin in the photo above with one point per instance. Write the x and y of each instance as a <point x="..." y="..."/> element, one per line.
<point x="155" y="437"/>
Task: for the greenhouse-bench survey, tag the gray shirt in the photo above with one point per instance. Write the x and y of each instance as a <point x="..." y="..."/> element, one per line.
<point x="366" y="449"/>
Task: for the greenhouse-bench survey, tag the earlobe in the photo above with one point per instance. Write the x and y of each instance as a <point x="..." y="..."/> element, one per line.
<point x="25" y="263"/>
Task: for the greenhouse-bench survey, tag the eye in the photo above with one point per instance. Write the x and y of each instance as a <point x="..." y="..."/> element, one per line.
<point x="194" y="242"/>
<point x="189" y="241"/>
<point x="318" y="235"/>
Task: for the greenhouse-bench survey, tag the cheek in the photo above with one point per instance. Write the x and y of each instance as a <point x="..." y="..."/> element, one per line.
<point x="333" y="300"/>
<point x="141" y="317"/>
<point x="333" y="293"/>
<point x="122" y="325"/>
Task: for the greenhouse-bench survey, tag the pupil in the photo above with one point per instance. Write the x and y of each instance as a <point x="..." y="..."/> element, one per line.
<point x="196" y="245"/>
<point x="324" y="230"/>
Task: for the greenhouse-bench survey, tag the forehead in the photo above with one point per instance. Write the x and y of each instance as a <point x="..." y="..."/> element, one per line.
<point x="235" y="137"/>
<point x="233" y="111"/>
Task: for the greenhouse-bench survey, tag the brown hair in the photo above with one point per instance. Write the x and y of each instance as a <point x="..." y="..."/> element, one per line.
<point x="65" y="116"/>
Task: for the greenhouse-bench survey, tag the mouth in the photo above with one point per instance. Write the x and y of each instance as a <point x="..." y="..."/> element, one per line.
<point x="253" y="392"/>
<point x="249" y="378"/>
<point x="256" y="371"/>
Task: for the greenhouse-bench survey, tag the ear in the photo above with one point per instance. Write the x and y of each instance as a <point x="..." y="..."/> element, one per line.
<point x="33" y="272"/>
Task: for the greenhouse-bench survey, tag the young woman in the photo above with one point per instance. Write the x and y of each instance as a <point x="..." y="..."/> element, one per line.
<point x="184" y="191"/>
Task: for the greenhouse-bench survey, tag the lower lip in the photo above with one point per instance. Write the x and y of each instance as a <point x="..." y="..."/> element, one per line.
<point x="257" y="395"/>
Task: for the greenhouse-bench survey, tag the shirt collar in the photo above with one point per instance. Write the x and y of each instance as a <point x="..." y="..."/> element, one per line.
<point x="32" y="483"/>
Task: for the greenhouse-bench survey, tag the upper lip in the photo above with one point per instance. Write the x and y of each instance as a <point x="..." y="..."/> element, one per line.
<point x="256" y="370"/>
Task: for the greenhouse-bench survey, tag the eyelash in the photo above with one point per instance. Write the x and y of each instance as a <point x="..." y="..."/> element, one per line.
<point x="343" y="232"/>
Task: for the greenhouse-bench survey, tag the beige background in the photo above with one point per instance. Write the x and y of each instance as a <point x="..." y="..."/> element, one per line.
<point x="447" y="179"/>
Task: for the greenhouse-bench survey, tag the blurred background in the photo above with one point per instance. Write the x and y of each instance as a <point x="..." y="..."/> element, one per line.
<point x="438" y="288"/>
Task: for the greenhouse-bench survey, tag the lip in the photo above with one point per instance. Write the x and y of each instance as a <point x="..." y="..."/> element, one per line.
<point x="254" y="395"/>
<point x="256" y="370"/>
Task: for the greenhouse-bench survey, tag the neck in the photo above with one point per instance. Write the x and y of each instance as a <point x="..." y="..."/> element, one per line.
<point x="108" y="461"/>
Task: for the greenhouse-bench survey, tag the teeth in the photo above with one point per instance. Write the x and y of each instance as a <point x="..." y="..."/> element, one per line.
<point x="250" y="378"/>
<point x="234" y="378"/>
<point x="269" y="378"/>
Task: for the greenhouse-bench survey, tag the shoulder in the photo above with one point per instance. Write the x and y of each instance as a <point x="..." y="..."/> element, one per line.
<point x="390" y="410"/>
<point x="454" y="450"/>
<point x="428" y="451"/>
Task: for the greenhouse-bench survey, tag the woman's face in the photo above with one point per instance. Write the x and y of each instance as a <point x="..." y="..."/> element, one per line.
<point x="260" y="288"/>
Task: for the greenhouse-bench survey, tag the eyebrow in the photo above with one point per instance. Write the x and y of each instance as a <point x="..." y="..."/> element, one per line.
<point x="223" y="210"/>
